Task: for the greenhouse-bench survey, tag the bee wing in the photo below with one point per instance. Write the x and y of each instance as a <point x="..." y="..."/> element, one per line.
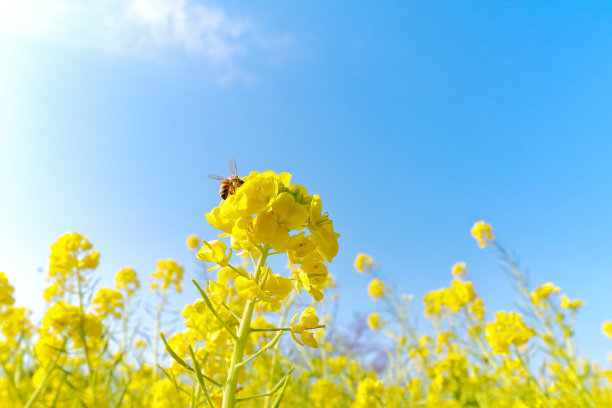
<point x="214" y="176"/>
<point x="231" y="165"/>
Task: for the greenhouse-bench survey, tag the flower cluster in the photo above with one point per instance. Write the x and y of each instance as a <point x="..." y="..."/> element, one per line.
<point x="71" y="258"/>
<point x="460" y="294"/>
<point x="168" y="274"/>
<point x="264" y="212"/>
<point x="506" y="330"/>
<point x="126" y="280"/>
<point x="482" y="232"/>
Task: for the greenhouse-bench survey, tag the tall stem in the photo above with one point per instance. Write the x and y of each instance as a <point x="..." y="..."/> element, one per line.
<point x="160" y="307"/>
<point x="229" y="390"/>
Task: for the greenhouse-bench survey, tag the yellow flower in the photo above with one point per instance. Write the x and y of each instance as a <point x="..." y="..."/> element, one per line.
<point x="14" y="322"/>
<point x="108" y="302"/>
<point x="570" y="304"/>
<point x="363" y="262"/>
<point x="606" y="329"/>
<point x="71" y="257"/>
<point x="477" y="309"/>
<point x="268" y="231"/>
<point x="459" y="269"/>
<point x="169" y="273"/>
<point x="542" y="293"/>
<point x="507" y="329"/>
<point x="322" y="230"/>
<point x="299" y="248"/>
<point x="127" y="279"/>
<point x="192" y="242"/>
<point x="434" y="302"/>
<point x="140" y="344"/>
<point x="308" y="321"/>
<point x="337" y="364"/>
<point x="62" y="318"/>
<point x="90" y="261"/>
<point x="376" y="289"/>
<point x="275" y="289"/>
<point x="289" y="214"/>
<point x="302" y="280"/>
<point x="459" y="295"/>
<point x="369" y="393"/>
<point x="214" y="252"/>
<point x="482" y="232"/>
<point x="324" y="393"/>
<point x="374" y="321"/>
<point x="316" y="272"/>
<point x="6" y="291"/>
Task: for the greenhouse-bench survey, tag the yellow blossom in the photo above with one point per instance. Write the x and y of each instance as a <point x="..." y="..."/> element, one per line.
<point x="566" y="303"/>
<point x="214" y="252"/>
<point x="108" y="302"/>
<point x="275" y="289"/>
<point x="376" y="289"/>
<point x="363" y="262"/>
<point x="299" y="248"/>
<point x="308" y="321"/>
<point x="369" y="393"/>
<point x="606" y="329"/>
<point x="374" y="321"/>
<point x="192" y="242"/>
<point x="168" y="273"/>
<point x="289" y="214"/>
<point x="6" y="291"/>
<point x="507" y="329"/>
<point x="268" y="231"/>
<point x="459" y="269"/>
<point x="542" y="293"/>
<point x="337" y="364"/>
<point x="127" y="279"/>
<point x="482" y="232"/>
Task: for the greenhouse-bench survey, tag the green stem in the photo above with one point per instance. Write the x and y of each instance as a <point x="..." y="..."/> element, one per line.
<point x="278" y="385"/>
<point x="321" y="326"/>
<point x="160" y="307"/>
<point x="229" y="390"/>
<point x="238" y="271"/>
<point x="265" y="348"/>
<point x="45" y="379"/>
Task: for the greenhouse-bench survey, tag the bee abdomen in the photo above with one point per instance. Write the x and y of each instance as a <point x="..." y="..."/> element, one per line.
<point x="224" y="188"/>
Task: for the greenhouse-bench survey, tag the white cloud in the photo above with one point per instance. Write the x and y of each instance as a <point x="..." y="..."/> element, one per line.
<point x="140" y="28"/>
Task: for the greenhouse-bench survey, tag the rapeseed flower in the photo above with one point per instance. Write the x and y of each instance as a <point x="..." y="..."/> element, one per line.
<point x="606" y="329"/>
<point x="374" y="321"/>
<point x="376" y="289"/>
<point x="459" y="269"/>
<point x="6" y="291"/>
<point x="363" y="262"/>
<point x="168" y="274"/>
<point x="308" y="321"/>
<point x="507" y="329"/>
<point x="192" y="242"/>
<point x="127" y="279"/>
<point x="214" y="252"/>
<point x="482" y="232"/>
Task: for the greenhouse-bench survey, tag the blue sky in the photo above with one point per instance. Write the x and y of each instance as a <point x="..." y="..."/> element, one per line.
<point x="411" y="120"/>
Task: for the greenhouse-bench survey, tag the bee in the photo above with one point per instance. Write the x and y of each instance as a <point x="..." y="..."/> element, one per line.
<point x="228" y="185"/>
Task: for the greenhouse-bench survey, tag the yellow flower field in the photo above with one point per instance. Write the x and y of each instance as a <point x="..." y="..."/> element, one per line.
<point x="258" y="337"/>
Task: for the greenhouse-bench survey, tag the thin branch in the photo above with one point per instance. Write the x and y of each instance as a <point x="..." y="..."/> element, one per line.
<point x="200" y="378"/>
<point x="265" y="348"/>
<point x="321" y="326"/>
<point x="278" y="385"/>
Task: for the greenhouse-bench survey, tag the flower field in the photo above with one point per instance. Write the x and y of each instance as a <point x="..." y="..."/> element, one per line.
<point x="258" y="337"/>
